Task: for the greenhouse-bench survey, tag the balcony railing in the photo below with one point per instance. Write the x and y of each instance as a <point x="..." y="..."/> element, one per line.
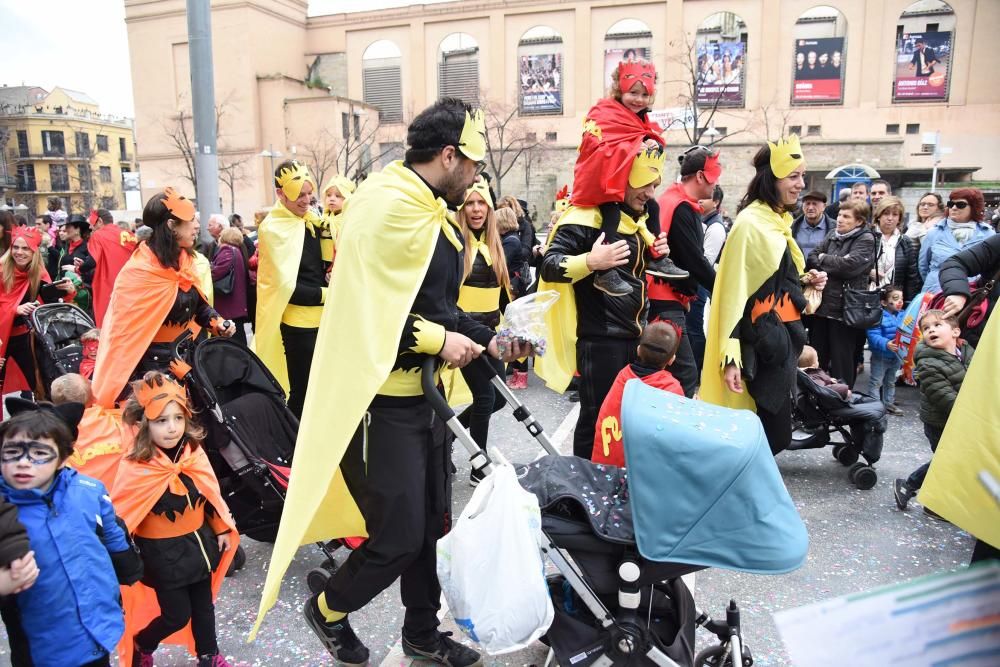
<point x="30" y="110"/>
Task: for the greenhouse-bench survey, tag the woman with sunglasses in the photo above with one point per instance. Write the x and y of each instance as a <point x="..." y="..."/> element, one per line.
<point x="964" y="227"/>
<point x="930" y="211"/>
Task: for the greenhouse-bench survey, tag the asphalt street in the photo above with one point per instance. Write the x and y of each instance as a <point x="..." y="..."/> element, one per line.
<point x="858" y="540"/>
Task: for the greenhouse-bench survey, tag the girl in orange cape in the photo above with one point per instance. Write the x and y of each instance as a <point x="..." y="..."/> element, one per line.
<point x="169" y="498"/>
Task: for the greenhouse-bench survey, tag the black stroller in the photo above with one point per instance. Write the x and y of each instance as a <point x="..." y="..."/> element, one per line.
<point x="57" y="328"/>
<point x="612" y="605"/>
<point x="818" y="412"/>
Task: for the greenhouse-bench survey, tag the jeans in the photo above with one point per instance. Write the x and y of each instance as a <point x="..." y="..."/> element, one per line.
<point x="882" y="382"/>
<point x="916" y="478"/>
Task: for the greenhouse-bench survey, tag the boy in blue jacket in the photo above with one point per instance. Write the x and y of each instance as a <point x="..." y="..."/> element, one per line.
<point x="71" y="616"/>
<point x="881" y="341"/>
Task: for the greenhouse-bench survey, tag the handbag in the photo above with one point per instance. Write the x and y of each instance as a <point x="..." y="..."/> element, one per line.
<point x="226" y="283"/>
<point x="863" y="308"/>
<point x="974" y="312"/>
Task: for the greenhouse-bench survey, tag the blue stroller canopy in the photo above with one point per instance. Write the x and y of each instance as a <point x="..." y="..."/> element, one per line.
<point x="704" y="486"/>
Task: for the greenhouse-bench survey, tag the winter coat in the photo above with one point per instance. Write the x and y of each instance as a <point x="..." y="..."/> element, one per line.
<point x="13" y="536"/>
<point x="517" y="263"/>
<point x="941" y="375"/>
<point x="905" y="276"/>
<point x="827" y="225"/>
<point x="72" y="614"/>
<point x="981" y="259"/>
<point x="939" y="245"/>
<point x="233" y="305"/>
<point x="847" y="262"/>
<point x="883" y="333"/>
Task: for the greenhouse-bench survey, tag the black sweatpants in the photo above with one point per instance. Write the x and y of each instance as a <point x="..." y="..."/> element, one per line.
<point x="397" y="467"/>
<point x="835" y="342"/>
<point x="299" y="347"/>
<point x="684" y="367"/>
<point x="485" y="399"/>
<point x="177" y="607"/>
<point x="599" y="360"/>
<point x="777" y="425"/>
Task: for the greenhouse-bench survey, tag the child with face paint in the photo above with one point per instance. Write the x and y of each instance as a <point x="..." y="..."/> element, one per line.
<point x="71" y="615"/>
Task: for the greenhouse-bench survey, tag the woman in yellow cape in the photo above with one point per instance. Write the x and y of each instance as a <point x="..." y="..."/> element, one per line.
<point x="755" y="331"/>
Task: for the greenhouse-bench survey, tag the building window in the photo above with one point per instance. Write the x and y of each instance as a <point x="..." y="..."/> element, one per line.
<point x="913" y="128"/>
<point x="26" y="178"/>
<point x="83" y="175"/>
<point x="357" y="126"/>
<point x="22" y="143"/>
<point x="345" y="125"/>
<point x="530" y="137"/>
<point x="102" y="142"/>
<point x="933" y="27"/>
<point x="813" y="130"/>
<point x="109" y="203"/>
<point x="122" y="149"/>
<point x="59" y="177"/>
<point x="82" y="144"/>
<point x="551" y="136"/>
<point x="382" y="81"/>
<point x="390" y="151"/>
<point x="105" y="174"/>
<point x="892" y="128"/>
<point x="53" y="143"/>
<point x="795" y="129"/>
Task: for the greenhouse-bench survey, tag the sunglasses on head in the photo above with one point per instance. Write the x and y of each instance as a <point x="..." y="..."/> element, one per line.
<point x="957" y="204"/>
<point x="39" y="453"/>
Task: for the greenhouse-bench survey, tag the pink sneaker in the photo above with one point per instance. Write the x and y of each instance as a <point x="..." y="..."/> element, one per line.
<point x="140" y="658"/>
<point x="520" y="379"/>
<point x="212" y="661"/>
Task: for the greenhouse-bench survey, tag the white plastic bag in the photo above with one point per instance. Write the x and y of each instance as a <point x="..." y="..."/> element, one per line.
<point x="491" y="569"/>
<point x="524" y="320"/>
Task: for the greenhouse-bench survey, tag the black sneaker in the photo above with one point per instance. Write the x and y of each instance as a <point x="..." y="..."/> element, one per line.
<point x="902" y="493"/>
<point x="338" y="638"/>
<point x="443" y="650"/>
<point x="611" y="283"/>
<point x="664" y="267"/>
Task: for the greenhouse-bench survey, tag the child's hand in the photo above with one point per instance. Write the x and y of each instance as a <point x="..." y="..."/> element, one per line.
<point x="225" y="542"/>
<point x="892" y="346"/>
<point x="20" y="576"/>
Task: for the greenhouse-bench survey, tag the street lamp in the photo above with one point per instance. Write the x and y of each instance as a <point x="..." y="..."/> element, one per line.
<point x="711" y="133"/>
<point x="270" y="153"/>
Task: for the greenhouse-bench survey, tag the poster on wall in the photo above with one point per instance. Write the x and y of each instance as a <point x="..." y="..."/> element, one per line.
<point x="922" y="62"/>
<point x="819" y="67"/>
<point x="614" y="56"/>
<point x="720" y="73"/>
<point x="541" y="84"/>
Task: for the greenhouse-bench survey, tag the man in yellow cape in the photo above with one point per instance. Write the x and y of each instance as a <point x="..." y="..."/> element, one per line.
<point x="969" y="447"/>
<point x="588" y="330"/>
<point x="291" y="282"/>
<point x="371" y="457"/>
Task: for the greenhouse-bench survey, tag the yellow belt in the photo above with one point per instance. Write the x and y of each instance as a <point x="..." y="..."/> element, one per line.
<point x="304" y="317"/>
<point x="479" y="299"/>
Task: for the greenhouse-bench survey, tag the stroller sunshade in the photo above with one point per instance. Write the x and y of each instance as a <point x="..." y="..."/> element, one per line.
<point x="227" y="370"/>
<point x="61" y="323"/>
<point x="704" y="487"/>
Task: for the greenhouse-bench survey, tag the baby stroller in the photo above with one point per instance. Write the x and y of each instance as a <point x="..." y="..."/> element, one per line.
<point x="57" y="328"/>
<point x="818" y="412"/>
<point x="621" y="550"/>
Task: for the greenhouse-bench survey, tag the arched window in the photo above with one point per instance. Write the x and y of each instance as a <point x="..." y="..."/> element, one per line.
<point x="925" y="36"/>
<point x="818" y="67"/>
<point x="721" y="57"/>
<point x="540" y="72"/>
<point x="381" y="79"/>
<point x="458" y="68"/>
<point x="628" y="39"/>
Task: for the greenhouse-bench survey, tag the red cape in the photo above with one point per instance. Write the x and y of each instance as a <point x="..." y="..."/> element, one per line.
<point x="14" y="379"/>
<point x="608" y="434"/>
<point x="111" y="247"/>
<point x="612" y="136"/>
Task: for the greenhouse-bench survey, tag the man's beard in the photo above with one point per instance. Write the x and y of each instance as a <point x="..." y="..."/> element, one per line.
<point x="454" y="187"/>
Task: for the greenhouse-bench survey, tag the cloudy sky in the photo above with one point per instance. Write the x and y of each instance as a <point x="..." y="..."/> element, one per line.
<point x="82" y="44"/>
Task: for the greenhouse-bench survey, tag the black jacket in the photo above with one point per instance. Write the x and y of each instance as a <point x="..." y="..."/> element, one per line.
<point x="906" y="275"/>
<point x="597" y="314"/>
<point x="982" y="259"/>
<point x="61" y="256"/>
<point x="482" y="275"/>
<point x="517" y="263"/>
<point x="13" y="536"/>
<point x="687" y="248"/>
<point x="847" y="262"/>
<point x="941" y="376"/>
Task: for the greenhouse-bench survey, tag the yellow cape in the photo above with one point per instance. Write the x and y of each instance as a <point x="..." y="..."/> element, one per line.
<point x="969" y="445"/>
<point x="279" y="252"/>
<point x="559" y="363"/>
<point x="394" y="210"/>
<point x="751" y="255"/>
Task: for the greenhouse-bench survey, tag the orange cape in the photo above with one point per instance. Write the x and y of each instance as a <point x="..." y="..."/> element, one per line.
<point x="137" y="488"/>
<point x="144" y="293"/>
<point x="103" y="439"/>
<point x="13" y="379"/>
<point x="111" y="247"/>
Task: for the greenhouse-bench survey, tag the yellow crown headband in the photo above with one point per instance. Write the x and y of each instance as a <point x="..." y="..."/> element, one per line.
<point x="290" y="181"/>
<point x="472" y="143"/>
<point x="786" y="156"/>
<point x="481" y="188"/>
<point x="647" y="167"/>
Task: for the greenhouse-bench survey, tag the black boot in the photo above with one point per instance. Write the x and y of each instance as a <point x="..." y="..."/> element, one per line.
<point x="664" y="267"/>
<point x="442" y="649"/>
<point x="338" y="638"/>
<point x="611" y="283"/>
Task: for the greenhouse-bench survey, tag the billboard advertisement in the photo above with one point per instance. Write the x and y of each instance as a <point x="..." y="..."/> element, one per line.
<point x="720" y="73"/>
<point x="819" y="70"/>
<point x="614" y="56"/>
<point x="922" y="63"/>
<point x="541" y="84"/>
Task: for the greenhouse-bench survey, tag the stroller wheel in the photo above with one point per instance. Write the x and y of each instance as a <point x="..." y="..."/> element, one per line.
<point x="239" y="560"/>
<point x="846" y="455"/>
<point x="836" y="451"/>
<point x="317" y="578"/>
<point x="719" y="656"/>
<point x="330" y="565"/>
<point x="853" y="470"/>
<point x="865" y="477"/>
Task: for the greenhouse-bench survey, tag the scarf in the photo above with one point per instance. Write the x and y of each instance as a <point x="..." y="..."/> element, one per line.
<point x="962" y="231"/>
<point x="479" y="247"/>
<point x="887" y="259"/>
<point x="846" y="235"/>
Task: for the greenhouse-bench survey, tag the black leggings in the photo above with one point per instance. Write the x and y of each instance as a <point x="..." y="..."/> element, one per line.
<point x="299" y="346"/>
<point x="178" y="606"/>
<point x="485" y="399"/>
<point x="19" y="351"/>
<point x="777" y="425"/>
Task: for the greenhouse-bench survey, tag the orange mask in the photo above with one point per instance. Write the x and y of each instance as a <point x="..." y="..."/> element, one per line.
<point x="154" y="398"/>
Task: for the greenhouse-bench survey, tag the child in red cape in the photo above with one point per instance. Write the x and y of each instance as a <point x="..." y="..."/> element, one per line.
<point x="615" y="130"/>
<point x="169" y="498"/>
<point x="656" y="351"/>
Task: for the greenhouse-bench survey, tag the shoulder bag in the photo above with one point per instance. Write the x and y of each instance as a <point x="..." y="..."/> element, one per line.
<point x="863" y="308"/>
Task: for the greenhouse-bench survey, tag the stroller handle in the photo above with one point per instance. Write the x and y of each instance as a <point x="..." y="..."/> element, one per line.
<point x="178" y="349"/>
<point x="480" y="461"/>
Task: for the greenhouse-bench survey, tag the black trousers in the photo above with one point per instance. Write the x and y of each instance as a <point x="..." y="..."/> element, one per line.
<point x="916" y="478"/>
<point x="299" y="347"/>
<point x="777" y="425"/>
<point x="694" y="328"/>
<point x="599" y="360"/>
<point x="241" y="332"/>
<point x="835" y="343"/>
<point x="398" y="469"/>
<point x="485" y="399"/>
<point x="177" y="607"/>
<point x="684" y="367"/>
<point x="19" y="350"/>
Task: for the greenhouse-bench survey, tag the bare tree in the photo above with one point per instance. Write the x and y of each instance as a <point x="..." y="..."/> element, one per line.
<point x="180" y="132"/>
<point x="507" y="141"/>
<point x="321" y="153"/>
<point x="231" y="173"/>
<point x="355" y="158"/>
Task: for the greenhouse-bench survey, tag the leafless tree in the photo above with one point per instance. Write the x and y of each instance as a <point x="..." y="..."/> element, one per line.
<point x="355" y="157"/>
<point x="508" y="140"/>
<point x="321" y="153"/>
<point x="231" y="173"/>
